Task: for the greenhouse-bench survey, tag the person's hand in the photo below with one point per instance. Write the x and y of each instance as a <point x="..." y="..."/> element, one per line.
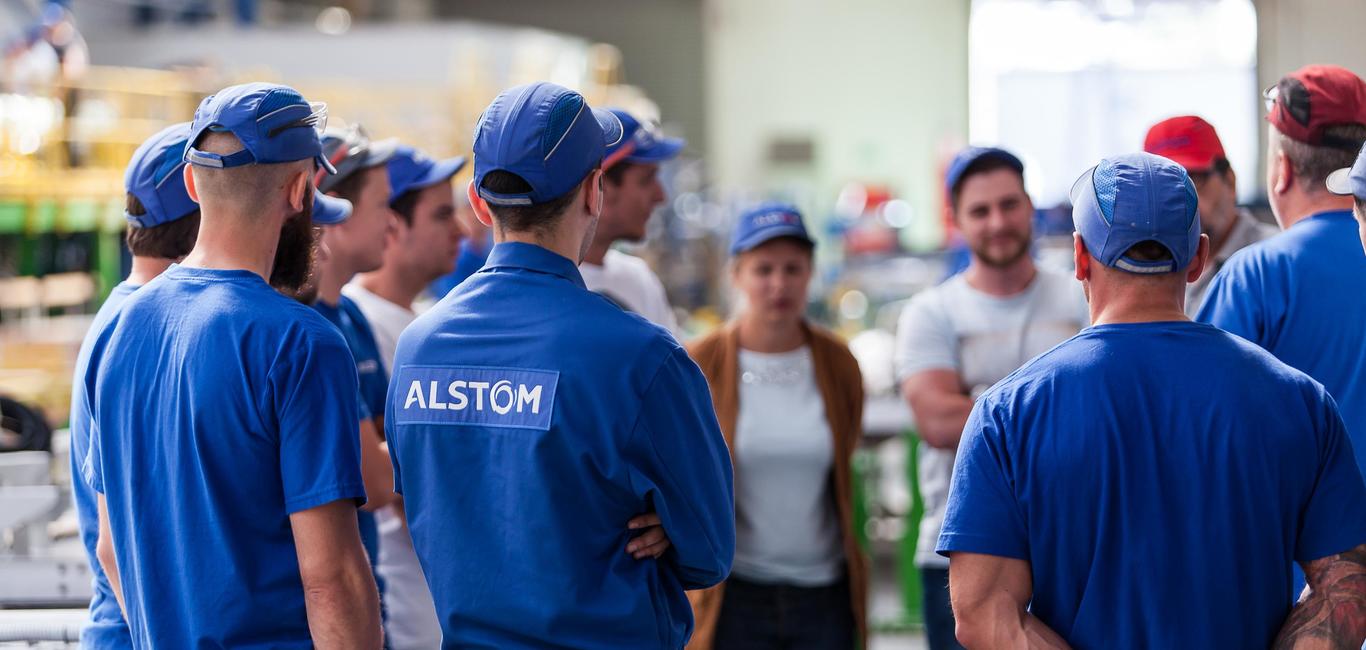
<point x="650" y="544"/>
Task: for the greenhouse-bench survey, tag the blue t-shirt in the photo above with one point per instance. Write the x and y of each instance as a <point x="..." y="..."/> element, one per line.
<point x="220" y="408"/>
<point x="529" y="421"/>
<point x="1159" y="478"/>
<point x="1300" y="296"/>
<point x="106" y="629"/>
<point x="374" y="383"/>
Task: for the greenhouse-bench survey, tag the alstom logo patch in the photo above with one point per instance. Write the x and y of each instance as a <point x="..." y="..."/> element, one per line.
<point x="475" y="396"/>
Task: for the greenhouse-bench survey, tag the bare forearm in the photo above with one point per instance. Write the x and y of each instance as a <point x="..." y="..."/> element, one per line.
<point x="1005" y="625"/>
<point x="940" y="419"/>
<point x="1333" y="615"/>
<point x="377" y="471"/>
<point x="343" y="611"/>
<point x="104" y="552"/>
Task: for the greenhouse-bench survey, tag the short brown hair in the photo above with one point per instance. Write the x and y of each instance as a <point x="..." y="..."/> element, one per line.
<point x="538" y="217"/>
<point x="982" y="165"/>
<point x="349" y="188"/>
<point x="1314" y="163"/>
<point x="616" y="174"/>
<point x="171" y="240"/>
<point x="405" y="204"/>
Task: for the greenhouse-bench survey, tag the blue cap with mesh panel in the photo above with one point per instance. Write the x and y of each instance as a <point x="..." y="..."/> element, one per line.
<point x="155" y="176"/>
<point x="1134" y="198"/>
<point x="274" y="123"/>
<point x="545" y="134"/>
<point x="640" y="143"/>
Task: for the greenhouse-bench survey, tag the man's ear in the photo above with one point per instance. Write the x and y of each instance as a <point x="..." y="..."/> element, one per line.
<point x="1197" y="266"/>
<point x="593" y="194"/>
<point x="189" y="183"/>
<point x="479" y="205"/>
<point x="1285" y="173"/>
<point x="298" y="190"/>
<point x="1081" y="258"/>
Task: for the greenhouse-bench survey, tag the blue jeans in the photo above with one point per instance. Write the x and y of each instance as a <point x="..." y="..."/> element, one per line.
<point x="785" y="617"/>
<point x="938" y="613"/>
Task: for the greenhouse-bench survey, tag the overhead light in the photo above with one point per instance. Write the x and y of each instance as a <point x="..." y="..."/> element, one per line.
<point x="334" y="21"/>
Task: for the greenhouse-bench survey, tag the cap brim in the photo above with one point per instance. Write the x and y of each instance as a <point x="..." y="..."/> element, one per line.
<point x="760" y="237"/>
<point x="329" y="210"/>
<point x="1340" y="182"/>
<point x="1190" y="163"/>
<point x="442" y="171"/>
<point x="663" y="149"/>
<point x="612" y="130"/>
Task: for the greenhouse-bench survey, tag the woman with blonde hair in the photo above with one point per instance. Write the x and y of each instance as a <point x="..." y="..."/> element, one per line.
<point x="789" y="398"/>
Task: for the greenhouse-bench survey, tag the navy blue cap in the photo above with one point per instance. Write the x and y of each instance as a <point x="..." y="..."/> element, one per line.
<point x="156" y="177"/>
<point x="765" y="222"/>
<point x="274" y="123"/>
<point x="1134" y="198"/>
<point x="968" y="156"/>
<point x="640" y="143"/>
<point x="544" y="133"/>
<point x="1350" y="180"/>
<point x="350" y="150"/>
<point x="410" y="169"/>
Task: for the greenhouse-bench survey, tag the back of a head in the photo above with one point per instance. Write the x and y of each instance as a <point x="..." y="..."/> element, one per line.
<point x="536" y="218"/>
<point x="244" y="190"/>
<point x="1137" y="216"/>
<point x="1318" y="120"/>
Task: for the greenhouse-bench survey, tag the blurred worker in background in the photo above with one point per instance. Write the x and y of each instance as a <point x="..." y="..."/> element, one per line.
<point x="536" y="428"/>
<point x="1192" y="143"/>
<point x="1108" y="494"/>
<point x="240" y="404"/>
<point x="474" y="251"/>
<point x="789" y="397"/>
<point x="424" y="247"/>
<point x="1299" y="293"/>
<point x="163" y="222"/>
<point x="631" y="192"/>
<point x="355" y="246"/>
<point x="1351" y="181"/>
<point x="957" y="339"/>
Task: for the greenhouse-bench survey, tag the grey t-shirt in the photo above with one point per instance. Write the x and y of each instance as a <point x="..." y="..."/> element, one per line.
<point x="983" y="338"/>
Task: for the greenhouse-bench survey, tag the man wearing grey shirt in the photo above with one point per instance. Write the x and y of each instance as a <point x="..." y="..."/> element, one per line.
<point x="957" y="339"/>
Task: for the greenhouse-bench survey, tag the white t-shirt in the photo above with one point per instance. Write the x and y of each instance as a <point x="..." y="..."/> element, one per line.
<point x="786" y="528"/>
<point x="628" y="281"/>
<point x="412" y="622"/>
<point x="983" y="338"/>
<point x="1247" y="230"/>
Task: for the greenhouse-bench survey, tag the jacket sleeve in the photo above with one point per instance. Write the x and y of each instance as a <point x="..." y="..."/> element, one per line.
<point x="680" y="465"/>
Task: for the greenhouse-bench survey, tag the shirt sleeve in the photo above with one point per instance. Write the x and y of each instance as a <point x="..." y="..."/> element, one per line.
<point x="681" y="466"/>
<point x="1237" y="300"/>
<point x="983" y="514"/>
<point x="314" y="396"/>
<point x="1334" y="517"/>
<point x="924" y="338"/>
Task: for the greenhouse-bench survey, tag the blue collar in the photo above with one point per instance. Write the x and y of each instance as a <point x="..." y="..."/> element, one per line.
<point x="1332" y="214"/>
<point x="535" y="258"/>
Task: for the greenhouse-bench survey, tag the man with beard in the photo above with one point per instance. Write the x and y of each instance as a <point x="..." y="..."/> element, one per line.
<point x="957" y="339"/>
<point x="631" y="192"/>
<point x="530" y="420"/>
<point x="223" y="436"/>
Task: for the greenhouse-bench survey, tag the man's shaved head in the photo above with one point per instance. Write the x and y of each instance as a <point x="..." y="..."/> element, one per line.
<point x="235" y="189"/>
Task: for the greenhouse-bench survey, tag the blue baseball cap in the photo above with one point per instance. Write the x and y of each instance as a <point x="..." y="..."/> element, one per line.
<point x="155" y="176"/>
<point x="410" y="169"/>
<point x="765" y="222"/>
<point x="1350" y="180"/>
<point x="1135" y="198"/>
<point x="274" y="123"/>
<point x="329" y="210"/>
<point x="967" y="157"/>
<point x="545" y="134"/>
<point x="640" y="143"/>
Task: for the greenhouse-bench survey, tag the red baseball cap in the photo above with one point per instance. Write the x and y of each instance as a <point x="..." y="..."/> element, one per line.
<point x="1303" y="103"/>
<point x="1187" y="140"/>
